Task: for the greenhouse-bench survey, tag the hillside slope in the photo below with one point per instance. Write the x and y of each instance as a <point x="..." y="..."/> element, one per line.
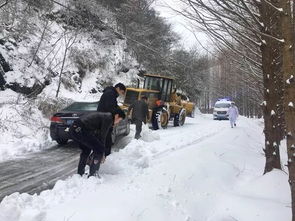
<point x="37" y="48"/>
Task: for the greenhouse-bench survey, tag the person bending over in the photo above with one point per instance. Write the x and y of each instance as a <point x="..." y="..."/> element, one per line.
<point x="83" y="131"/>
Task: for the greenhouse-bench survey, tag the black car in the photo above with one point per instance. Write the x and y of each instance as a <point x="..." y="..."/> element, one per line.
<point x="62" y="120"/>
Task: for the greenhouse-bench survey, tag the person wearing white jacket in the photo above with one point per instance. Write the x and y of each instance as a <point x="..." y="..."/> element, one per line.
<point x="233" y="114"/>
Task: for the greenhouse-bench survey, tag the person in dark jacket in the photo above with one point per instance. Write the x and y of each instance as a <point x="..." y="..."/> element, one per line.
<point x="108" y="100"/>
<point x="107" y="103"/>
<point x="140" y="113"/>
<point x="83" y="131"/>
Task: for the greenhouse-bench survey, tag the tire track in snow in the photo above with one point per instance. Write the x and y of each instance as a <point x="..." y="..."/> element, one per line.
<point x="186" y="145"/>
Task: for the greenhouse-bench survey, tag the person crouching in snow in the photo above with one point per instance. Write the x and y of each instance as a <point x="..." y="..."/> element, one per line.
<point x="83" y="131"/>
<point x="140" y="113"/>
<point x="233" y="114"/>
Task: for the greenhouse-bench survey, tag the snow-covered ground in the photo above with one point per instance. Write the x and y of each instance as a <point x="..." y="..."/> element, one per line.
<point x="204" y="171"/>
<point x="95" y="60"/>
<point x="23" y="128"/>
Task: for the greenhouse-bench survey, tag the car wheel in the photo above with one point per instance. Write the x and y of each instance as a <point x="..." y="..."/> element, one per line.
<point x="61" y="141"/>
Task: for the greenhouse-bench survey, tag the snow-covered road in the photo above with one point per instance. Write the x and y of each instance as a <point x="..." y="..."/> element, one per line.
<point x="204" y="170"/>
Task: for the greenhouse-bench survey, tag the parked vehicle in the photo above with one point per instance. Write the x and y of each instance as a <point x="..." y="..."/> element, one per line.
<point x="220" y="111"/>
<point x="62" y="120"/>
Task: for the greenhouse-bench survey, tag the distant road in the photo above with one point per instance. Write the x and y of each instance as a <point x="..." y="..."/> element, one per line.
<point x="40" y="171"/>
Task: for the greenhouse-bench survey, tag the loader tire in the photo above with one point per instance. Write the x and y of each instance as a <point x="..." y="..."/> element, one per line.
<point x="179" y="118"/>
<point x="160" y="119"/>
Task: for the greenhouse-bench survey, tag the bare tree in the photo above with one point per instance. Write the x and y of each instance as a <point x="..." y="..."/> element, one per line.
<point x="271" y="66"/>
<point x="69" y="41"/>
<point x="287" y="30"/>
<point x="39" y="44"/>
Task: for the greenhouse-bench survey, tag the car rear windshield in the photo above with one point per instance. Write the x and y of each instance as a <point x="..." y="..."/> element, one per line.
<point x="222" y="105"/>
<point x="82" y="106"/>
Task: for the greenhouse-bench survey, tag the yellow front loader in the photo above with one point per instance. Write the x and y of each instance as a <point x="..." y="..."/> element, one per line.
<point x="164" y="104"/>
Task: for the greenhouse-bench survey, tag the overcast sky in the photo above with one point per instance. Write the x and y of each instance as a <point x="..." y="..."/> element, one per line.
<point x="179" y="24"/>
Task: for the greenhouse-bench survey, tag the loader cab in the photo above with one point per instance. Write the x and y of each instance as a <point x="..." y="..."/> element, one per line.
<point x="159" y="83"/>
<point x="133" y="94"/>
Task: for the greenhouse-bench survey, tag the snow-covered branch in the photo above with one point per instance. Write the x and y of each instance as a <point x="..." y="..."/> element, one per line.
<point x="3" y="4"/>
<point x="273" y="6"/>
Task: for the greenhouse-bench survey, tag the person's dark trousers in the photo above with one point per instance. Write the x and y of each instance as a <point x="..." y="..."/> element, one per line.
<point x="87" y="142"/>
<point x="83" y="159"/>
<point x="138" y="128"/>
<point x="109" y="142"/>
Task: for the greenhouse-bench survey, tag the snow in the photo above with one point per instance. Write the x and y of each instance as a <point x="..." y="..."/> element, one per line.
<point x="272" y="112"/>
<point x="24" y="123"/>
<point x="288" y="81"/>
<point x="204" y="170"/>
<point x="263" y="42"/>
<point x="291" y="104"/>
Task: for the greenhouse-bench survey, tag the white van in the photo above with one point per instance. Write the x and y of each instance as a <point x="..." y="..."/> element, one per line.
<point x="220" y="110"/>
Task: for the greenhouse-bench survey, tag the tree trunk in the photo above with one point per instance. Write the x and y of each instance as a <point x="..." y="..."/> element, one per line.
<point x="269" y="50"/>
<point x="39" y="44"/>
<point x="287" y="30"/>
<point x="61" y="70"/>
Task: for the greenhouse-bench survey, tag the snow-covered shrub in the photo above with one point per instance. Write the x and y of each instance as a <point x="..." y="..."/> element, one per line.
<point x="68" y="81"/>
<point x="105" y="82"/>
<point x="84" y="59"/>
<point x="103" y="62"/>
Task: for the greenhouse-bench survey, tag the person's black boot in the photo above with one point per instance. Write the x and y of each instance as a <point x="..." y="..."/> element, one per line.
<point x="94" y="167"/>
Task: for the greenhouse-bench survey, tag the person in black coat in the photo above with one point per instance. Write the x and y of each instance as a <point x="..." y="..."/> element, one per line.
<point x="108" y="103"/>
<point x="140" y="113"/>
<point x="108" y="100"/>
<point x="83" y="131"/>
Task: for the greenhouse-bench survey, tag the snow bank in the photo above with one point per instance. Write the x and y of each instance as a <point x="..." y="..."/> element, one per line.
<point x="23" y="128"/>
<point x="204" y="170"/>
